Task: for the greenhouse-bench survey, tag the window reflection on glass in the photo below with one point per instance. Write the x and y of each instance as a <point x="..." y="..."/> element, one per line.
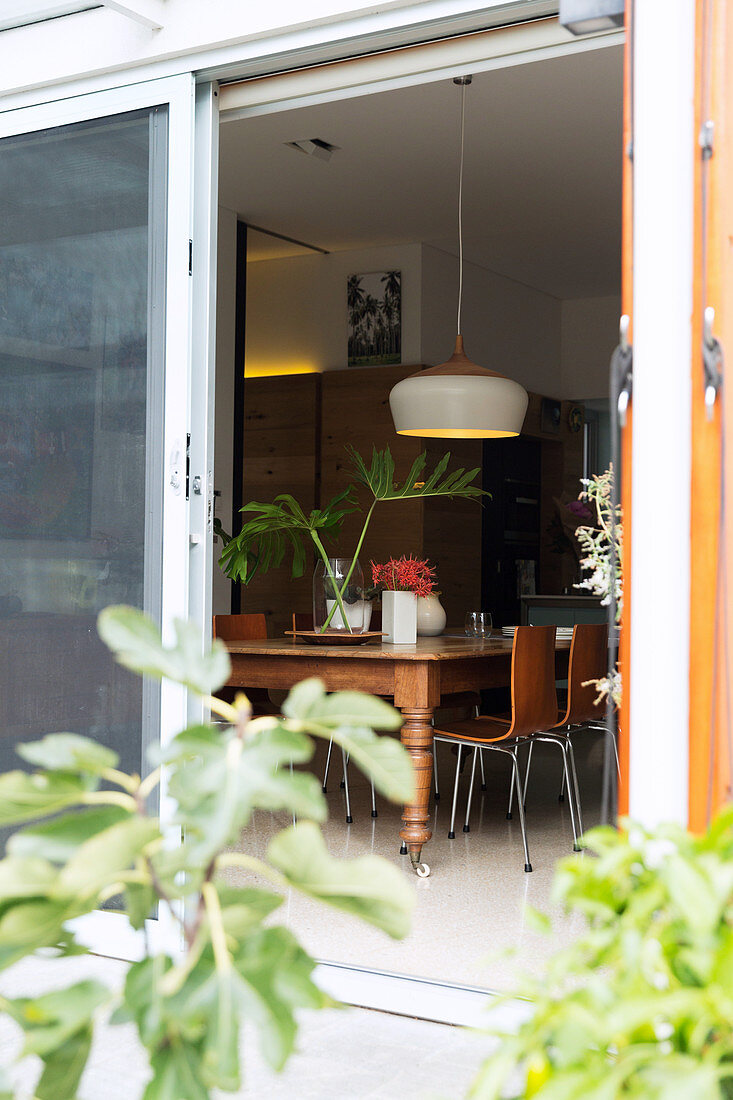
<point x="79" y="373"/>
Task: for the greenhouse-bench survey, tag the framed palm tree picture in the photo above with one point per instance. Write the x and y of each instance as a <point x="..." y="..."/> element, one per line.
<point x="374" y="304"/>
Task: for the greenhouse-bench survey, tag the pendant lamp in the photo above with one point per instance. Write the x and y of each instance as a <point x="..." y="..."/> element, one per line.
<point x="458" y="399"/>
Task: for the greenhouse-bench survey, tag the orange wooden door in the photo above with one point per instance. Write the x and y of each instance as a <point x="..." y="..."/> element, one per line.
<point x="711" y="652"/>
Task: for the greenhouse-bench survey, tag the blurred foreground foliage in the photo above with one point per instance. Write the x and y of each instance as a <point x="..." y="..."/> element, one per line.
<point x="92" y="836"/>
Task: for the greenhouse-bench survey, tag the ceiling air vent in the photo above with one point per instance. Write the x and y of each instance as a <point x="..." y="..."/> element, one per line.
<point x="313" y="147"/>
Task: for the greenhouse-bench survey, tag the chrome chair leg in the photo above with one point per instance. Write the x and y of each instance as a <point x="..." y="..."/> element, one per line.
<point x="511" y="798"/>
<point x="612" y="736"/>
<point x="576" y="788"/>
<point x="563" y="745"/>
<point x="466" y="826"/>
<point x="511" y="785"/>
<point x="483" y="773"/>
<point x="435" y="769"/>
<point x="349" y="818"/>
<point x="520" y="804"/>
<point x="374" y="799"/>
<point x="328" y="765"/>
<point x="564" y="742"/>
<point x="526" y="771"/>
<point x="452" y="831"/>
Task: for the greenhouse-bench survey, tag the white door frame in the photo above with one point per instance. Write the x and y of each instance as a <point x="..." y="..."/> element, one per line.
<point x="109" y="933"/>
<point x="248" y="98"/>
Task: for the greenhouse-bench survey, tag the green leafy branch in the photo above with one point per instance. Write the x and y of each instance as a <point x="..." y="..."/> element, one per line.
<point x="640" y="1004"/>
<point x="263" y="541"/>
<point x="90" y="834"/>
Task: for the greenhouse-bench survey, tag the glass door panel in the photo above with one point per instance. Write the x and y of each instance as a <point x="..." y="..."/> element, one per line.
<point x="82" y="350"/>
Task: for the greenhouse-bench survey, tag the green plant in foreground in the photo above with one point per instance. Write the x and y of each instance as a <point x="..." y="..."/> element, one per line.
<point x="93" y="839"/>
<point x="642" y="1004"/>
<point x="263" y="540"/>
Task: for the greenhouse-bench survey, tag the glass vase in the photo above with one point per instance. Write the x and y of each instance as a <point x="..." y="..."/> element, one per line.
<point x="351" y="617"/>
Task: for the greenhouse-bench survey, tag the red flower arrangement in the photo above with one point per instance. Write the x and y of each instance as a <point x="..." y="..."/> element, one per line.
<point x="404" y="575"/>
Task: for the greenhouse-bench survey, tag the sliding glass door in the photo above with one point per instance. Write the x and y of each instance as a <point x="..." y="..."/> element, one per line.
<point x="94" y="406"/>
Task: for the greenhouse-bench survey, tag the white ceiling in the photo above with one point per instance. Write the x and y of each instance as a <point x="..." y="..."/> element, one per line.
<point x="542" y="192"/>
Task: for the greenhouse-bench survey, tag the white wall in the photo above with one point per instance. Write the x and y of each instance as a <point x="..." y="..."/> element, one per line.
<point x="589" y="335"/>
<point x="102" y="47"/>
<point x="223" y="446"/>
<point x="296" y="308"/>
<point x="507" y="327"/>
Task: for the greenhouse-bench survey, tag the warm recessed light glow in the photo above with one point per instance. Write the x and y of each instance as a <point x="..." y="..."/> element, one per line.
<point x="276" y="370"/>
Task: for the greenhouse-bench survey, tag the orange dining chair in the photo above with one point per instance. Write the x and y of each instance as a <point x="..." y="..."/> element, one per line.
<point x="244" y="628"/>
<point x="534" y="709"/>
<point x="588" y="662"/>
<point x="240" y="628"/>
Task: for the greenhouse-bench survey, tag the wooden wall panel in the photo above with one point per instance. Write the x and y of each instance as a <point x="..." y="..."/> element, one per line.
<point x="355" y="410"/>
<point x="280" y="456"/>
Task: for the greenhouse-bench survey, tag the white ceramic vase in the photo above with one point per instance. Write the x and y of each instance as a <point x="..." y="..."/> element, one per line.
<point x="431" y="617"/>
<point x="399" y="617"/>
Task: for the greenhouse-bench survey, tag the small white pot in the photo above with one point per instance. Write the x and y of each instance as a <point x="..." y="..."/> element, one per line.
<point x="399" y="617"/>
<point x="431" y="617"/>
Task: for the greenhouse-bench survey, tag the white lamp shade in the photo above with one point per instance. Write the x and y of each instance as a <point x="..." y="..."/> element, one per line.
<point x="446" y="402"/>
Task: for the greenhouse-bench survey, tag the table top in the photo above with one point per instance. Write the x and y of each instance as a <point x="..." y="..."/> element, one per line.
<point x="445" y="647"/>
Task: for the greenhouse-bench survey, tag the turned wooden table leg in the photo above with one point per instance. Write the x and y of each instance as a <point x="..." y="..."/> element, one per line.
<point x="417" y="737"/>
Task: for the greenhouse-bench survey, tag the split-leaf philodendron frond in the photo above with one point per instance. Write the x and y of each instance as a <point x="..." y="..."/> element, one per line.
<point x="263" y="540"/>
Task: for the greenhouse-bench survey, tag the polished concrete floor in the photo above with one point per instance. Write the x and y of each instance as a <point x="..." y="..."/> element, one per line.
<point x="342" y="1054"/>
<point x="469" y="925"/>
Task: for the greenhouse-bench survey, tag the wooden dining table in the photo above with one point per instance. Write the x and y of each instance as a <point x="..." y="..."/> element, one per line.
<point x="415" y="676"/>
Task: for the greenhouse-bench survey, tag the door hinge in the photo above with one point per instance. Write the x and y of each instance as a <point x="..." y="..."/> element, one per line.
<point x="712" y="361"/>
<point x="621" y="372"/>
<point x="188" y="464"/>
<point x="190" y="256"/>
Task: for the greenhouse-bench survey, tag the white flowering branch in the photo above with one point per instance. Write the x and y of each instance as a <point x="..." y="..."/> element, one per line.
<point x="602" y="559"/>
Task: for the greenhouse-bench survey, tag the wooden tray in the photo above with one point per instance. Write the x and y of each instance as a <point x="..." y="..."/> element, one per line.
<point x="336" y="637"/>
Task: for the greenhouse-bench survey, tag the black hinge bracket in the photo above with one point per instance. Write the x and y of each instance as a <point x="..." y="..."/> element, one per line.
<point x="622" y="362"/>
<point x="712" y="362"/>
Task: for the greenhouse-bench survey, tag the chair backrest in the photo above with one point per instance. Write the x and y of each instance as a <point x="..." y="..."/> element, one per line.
<point x="534" y="696"/>
<point x="240" y="628"/>
<point x="588" y="661"/>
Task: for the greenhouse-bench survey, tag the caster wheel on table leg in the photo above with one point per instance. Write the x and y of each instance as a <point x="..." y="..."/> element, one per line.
<point x="422" y="870"/>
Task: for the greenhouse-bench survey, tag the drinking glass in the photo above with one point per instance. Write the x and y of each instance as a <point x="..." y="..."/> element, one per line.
<point x="478" y="624"/>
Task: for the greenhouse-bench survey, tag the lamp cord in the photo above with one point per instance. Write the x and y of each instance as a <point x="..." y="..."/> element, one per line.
<point x="460" y="207"/>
